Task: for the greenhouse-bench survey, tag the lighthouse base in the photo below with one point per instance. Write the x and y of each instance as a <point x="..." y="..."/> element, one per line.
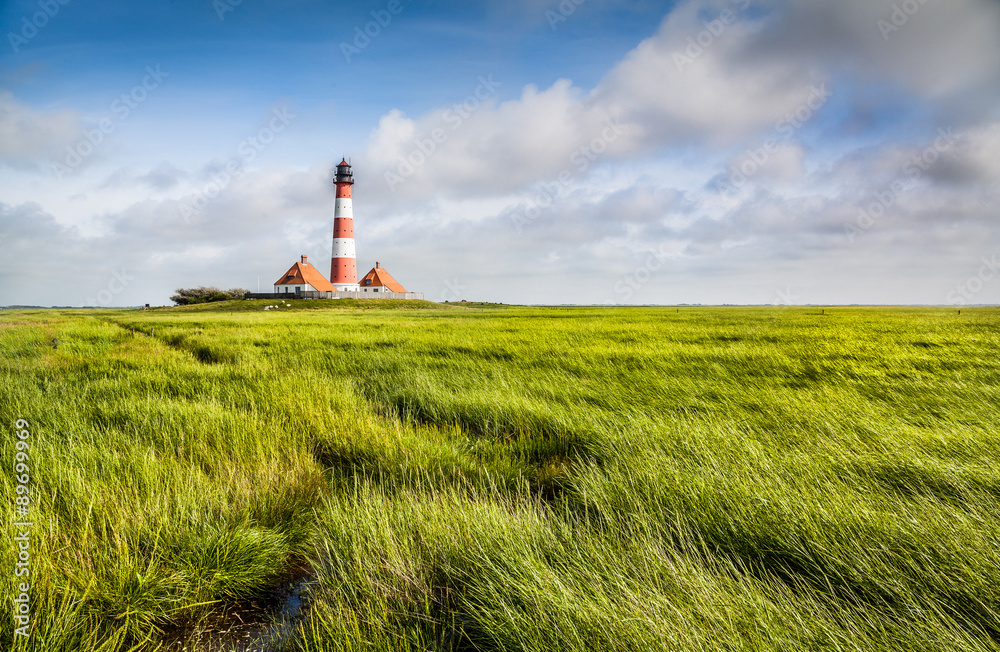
<point x="347" y="287"/>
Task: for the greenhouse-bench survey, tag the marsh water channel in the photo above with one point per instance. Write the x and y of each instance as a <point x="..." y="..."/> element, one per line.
<point x="251" y="625"/>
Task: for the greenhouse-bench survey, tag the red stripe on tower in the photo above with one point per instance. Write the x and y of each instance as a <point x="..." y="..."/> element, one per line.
<point x="343" y="266"/>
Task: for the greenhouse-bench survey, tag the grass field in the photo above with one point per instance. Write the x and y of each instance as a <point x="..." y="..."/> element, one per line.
<point x="503" y="478"/>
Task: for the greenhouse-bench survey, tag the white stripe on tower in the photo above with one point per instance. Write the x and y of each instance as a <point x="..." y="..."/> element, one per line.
<point x="344" y="248"/>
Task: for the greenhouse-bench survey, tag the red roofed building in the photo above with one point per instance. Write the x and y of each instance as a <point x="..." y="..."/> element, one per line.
<point x="303" y="277"/>
<point x="379" y="280"/>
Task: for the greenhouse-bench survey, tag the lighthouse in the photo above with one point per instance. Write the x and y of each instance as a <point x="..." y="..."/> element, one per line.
<point x="343" y="265"/>
<point x="303" y="281"/>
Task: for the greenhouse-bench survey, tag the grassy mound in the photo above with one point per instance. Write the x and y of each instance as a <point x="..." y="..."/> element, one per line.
<point x="310" y="304"/>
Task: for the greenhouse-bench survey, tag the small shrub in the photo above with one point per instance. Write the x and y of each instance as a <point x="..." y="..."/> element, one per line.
<point x="189" y="296"/>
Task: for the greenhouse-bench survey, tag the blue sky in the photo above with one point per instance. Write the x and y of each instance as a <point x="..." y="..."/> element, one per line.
<point x="600" y="162"/>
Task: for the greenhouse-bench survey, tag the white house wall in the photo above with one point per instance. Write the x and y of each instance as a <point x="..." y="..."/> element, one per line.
<point x="280" y="289"/>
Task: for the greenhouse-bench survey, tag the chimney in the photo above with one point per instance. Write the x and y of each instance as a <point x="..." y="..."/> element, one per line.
<point x="376" y="264"/>
<point x="304" y="259"/>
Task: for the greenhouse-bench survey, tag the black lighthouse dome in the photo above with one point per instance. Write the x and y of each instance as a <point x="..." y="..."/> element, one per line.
<point x="344" y="174"/>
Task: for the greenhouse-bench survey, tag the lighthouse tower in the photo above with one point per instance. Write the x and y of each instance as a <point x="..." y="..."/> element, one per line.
<point x="343" y="266"/>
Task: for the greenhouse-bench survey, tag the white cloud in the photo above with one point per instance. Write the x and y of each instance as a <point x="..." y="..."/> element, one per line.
<point x="941" y="50"/>
<point x="688" y="82"/>
<point x="32" y="137"/>
<point x="706" y="78"/>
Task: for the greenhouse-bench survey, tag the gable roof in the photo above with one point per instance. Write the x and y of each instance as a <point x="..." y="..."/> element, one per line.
<point x="301" y="273"/>
<point x="380" y="277"/>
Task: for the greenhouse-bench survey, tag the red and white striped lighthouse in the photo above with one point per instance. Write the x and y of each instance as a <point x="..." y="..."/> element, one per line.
<point x="343" y="266"/>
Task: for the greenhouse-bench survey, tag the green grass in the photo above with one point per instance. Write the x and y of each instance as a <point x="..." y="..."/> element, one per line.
<point x="503" y="478"/>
